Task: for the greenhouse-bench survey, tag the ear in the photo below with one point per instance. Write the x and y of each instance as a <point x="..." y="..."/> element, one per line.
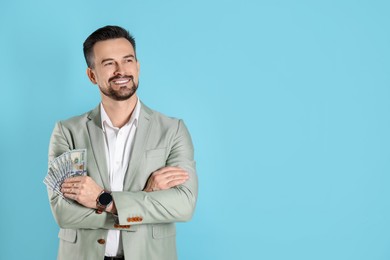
<point x="91" y="75"/>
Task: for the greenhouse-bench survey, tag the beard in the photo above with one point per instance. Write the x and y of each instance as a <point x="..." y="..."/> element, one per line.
<point x="123" y="93"/>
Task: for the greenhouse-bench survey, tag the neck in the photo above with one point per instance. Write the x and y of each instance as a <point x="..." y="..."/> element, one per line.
<point x="119" y="112"/>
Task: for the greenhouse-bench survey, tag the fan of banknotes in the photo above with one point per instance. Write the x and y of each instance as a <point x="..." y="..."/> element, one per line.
<point x="69" y="164"/>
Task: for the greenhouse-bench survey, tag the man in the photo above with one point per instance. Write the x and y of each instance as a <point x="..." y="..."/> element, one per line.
<point x="141" y="174"/>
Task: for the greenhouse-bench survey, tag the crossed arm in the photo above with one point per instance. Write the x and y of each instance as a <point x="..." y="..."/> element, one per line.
<point x="169" y="194"/>
<point x="85" y="190"/>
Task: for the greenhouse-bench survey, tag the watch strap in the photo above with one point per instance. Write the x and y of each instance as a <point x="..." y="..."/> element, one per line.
<point x="101" y="208"/>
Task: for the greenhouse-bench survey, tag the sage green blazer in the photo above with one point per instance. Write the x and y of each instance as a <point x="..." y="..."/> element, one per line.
<point x="146" y="220"/>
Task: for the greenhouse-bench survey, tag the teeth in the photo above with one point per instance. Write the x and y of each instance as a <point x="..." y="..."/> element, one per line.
<point x="121" y="81"/>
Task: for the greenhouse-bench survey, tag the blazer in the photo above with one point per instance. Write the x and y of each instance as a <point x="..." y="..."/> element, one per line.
<point x="146" y="219"/>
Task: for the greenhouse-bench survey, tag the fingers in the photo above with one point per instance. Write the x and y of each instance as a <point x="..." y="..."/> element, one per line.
<point x="70" y="190"/>
<point x="171" y="176"/>
<point x="82" y="189"/>
<point x="71" y="187"/>
<point x="166" y="178"/>
<point x="75" y="179"/>
<point x="70" y="196"/>
<point x="69" y="193"/>
<point x="74" y="182"/>
<point x="171" y="172"/>
<point x="176" y="182"/>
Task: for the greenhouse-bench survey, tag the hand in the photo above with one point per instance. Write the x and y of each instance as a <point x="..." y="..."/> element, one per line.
<point x="82" y="189"/>
<point x="166" y="178"/>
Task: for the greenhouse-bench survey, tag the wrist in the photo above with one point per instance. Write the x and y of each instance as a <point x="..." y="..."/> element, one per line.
<point x="112" y="208"/>
<point x="103" y="201"/>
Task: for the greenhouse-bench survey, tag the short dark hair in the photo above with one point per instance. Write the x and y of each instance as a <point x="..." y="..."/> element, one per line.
<point x="105" y="33"/>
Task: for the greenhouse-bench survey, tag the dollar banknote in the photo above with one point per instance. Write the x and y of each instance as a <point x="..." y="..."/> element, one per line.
<point x="67" y="165"/>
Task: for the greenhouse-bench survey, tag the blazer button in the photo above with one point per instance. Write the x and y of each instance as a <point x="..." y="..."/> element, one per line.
<point x="101" y="241"/>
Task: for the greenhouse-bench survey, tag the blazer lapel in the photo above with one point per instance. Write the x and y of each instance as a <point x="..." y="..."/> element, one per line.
<point x="95" y="132"/>
<point x="140" y="140"/>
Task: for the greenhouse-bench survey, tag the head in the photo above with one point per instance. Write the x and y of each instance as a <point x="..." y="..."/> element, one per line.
<point x="112" y="63"/>
<point x="108" y="32"/>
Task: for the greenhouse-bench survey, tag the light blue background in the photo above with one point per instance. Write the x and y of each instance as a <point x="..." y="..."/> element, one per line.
<point x="287" y="102"/>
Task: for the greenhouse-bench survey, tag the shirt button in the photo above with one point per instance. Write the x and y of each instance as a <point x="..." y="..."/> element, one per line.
<point x="101" y="241"/>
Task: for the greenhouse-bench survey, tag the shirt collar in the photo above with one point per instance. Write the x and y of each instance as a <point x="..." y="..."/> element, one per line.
<point x="133" y="119"/>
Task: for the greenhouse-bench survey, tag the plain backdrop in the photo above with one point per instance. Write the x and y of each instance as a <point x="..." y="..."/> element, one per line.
<point x="287" y="103"/>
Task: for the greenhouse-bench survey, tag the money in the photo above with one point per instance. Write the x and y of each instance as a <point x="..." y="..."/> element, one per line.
<point x="67" y="165"/>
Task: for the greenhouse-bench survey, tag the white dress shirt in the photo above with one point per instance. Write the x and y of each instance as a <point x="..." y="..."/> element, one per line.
<point x="119" y="143"/>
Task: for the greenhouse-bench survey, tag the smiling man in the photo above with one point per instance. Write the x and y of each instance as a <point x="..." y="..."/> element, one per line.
<point x="141" y="175"/>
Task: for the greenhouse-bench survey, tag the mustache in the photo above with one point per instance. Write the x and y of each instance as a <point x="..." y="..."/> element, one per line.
<point x="120" y="77"/>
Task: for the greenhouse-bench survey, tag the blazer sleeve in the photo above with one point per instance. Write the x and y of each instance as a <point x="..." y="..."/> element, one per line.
<point x="72" y="215"/>
<point x="164" y="206"/>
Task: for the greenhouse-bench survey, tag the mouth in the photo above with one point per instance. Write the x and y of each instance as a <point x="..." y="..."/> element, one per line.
<point x="121" y="80"/>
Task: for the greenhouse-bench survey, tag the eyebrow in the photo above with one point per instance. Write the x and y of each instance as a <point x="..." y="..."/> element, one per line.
<point x="111" y="59"/>
<point x="129" y="56"/>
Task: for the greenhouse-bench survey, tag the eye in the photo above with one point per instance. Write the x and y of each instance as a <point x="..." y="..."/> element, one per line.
<point x="108" y="64"/>
<point x="129" y="60"/>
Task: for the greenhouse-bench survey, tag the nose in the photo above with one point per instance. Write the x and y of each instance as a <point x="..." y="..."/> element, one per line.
<point x="119" y="70"/>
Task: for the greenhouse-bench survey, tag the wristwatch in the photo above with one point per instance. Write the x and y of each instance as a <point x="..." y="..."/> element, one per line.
<point x="103" y="201"/>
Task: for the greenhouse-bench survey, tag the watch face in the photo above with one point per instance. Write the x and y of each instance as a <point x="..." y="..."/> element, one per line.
<point x="105" y="199"/>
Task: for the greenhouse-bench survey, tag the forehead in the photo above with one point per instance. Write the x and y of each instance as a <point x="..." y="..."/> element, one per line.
<point x="113" y="48"/>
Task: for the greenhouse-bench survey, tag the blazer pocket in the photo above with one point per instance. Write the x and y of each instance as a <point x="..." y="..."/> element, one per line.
<point x="69" y="235"/>
<point x="160" y="152"/>
<point x="154" y="160"/>
<point x="164" y="230"/>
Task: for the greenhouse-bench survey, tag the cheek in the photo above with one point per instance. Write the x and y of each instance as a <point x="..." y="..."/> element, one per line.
<point x="103" y="78"/>
<point x="136" y="74"/>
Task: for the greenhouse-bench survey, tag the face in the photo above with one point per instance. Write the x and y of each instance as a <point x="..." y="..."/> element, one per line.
<point x="115" y="69"/>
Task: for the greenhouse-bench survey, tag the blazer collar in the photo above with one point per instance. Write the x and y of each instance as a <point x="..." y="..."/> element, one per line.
<point x="95" y="131"/>
<point x="140" y="140"/>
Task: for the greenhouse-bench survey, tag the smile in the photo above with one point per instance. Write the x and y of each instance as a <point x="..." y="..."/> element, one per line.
<point x="121" y="81"/>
